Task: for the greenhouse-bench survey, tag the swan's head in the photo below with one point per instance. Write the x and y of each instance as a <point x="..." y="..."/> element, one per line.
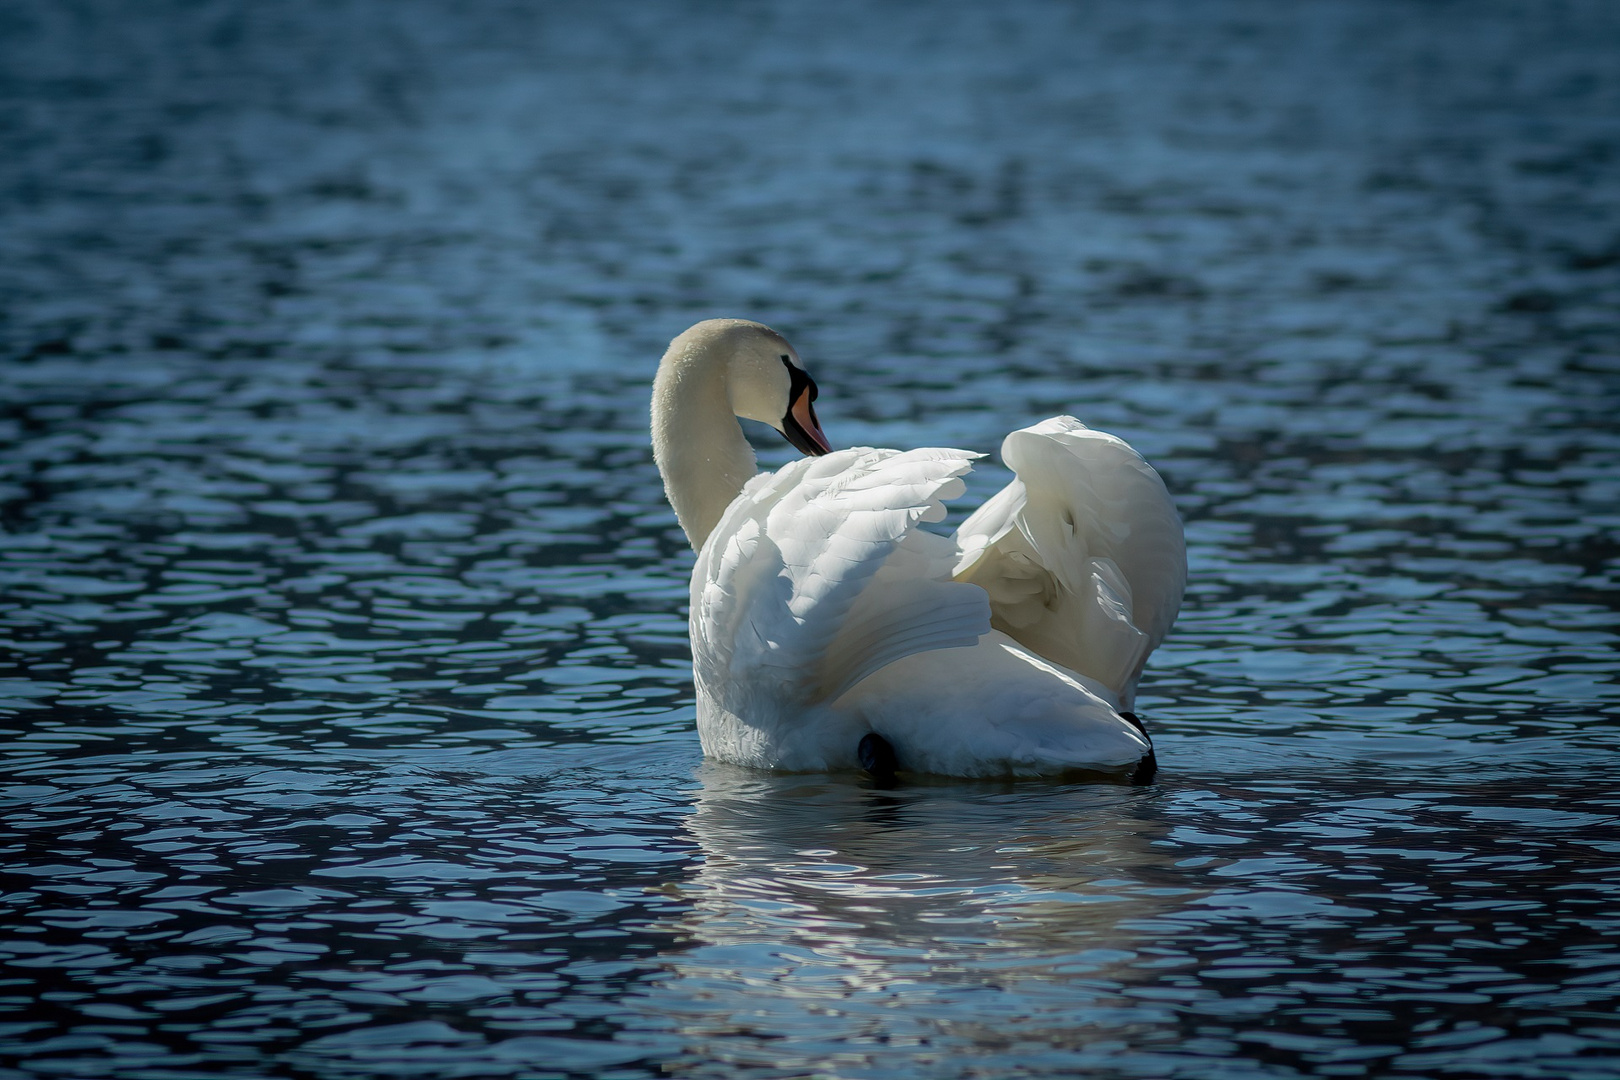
<point x="718" y="370"/>
<point x="764" y="379"/>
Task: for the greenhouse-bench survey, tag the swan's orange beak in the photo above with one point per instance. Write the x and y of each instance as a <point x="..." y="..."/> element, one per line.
<point x="800" y="425"/>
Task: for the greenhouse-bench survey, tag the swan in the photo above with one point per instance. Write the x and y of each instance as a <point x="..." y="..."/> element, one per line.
<point x="831" y="632"/>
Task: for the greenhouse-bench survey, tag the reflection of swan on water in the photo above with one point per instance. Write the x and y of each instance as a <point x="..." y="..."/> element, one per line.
<point x="889" y="862"/>
<point x="824" y="911"/>
<point x="829" y="630"/>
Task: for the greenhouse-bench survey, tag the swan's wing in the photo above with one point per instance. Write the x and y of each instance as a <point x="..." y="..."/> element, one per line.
<point x="1082" y="554"/>
<point x="817" y="575"/>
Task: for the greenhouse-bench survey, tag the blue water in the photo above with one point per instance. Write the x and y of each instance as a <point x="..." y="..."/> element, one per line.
<point x="348" y="720"/>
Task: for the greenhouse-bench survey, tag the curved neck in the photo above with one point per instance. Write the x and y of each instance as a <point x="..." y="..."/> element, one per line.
<point x="697" y="442"/>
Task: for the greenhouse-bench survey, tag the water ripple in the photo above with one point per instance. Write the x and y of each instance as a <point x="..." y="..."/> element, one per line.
<point x="346" y="719"/>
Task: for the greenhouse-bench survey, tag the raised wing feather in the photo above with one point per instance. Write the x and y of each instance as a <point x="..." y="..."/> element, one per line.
<point x="817" y="576"/>
<point x="1083" y="554"/>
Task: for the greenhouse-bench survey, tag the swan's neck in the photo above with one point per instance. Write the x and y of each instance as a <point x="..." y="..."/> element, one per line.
<point x="697" y="442"/>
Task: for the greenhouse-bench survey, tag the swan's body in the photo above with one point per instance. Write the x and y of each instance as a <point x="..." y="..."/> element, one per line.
<point x="822" y="613"/>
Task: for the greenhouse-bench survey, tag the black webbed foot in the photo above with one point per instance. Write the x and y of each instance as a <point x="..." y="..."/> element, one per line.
<point x="877" y="758"/>
<point x="1148" y="767"/>
<point x="1146" y="770"/>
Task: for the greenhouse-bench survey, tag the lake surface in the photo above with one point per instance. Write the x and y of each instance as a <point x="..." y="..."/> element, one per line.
<point x="348" y="717"/>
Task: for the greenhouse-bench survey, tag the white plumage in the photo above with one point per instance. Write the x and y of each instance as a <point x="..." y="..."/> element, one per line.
<point x="822" y="612"/>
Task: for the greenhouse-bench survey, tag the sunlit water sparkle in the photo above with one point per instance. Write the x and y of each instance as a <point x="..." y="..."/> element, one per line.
<point x="347" y="704"/>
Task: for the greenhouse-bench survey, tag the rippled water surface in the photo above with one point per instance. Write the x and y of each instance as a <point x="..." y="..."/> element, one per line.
<point x="346" y="703"/>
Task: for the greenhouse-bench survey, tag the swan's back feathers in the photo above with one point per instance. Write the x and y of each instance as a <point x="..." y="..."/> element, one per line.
<point x="817" y="576"/>
<point x="1082" y="555"/>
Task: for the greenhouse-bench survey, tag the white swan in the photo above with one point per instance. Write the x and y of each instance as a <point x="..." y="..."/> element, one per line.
<point x="830" y="632"/>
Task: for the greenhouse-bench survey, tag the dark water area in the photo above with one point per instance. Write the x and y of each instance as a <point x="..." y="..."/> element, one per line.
<point x="346" y="706"/>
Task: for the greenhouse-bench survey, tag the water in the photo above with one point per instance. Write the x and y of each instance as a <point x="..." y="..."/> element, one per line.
<point x="348" y="718"/>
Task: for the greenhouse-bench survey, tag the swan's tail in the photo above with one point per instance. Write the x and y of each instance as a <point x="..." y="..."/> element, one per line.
<point x="1083" y="554"/>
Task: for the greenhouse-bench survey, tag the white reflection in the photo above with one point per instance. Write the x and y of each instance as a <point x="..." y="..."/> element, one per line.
<point x="946" y="913"/>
